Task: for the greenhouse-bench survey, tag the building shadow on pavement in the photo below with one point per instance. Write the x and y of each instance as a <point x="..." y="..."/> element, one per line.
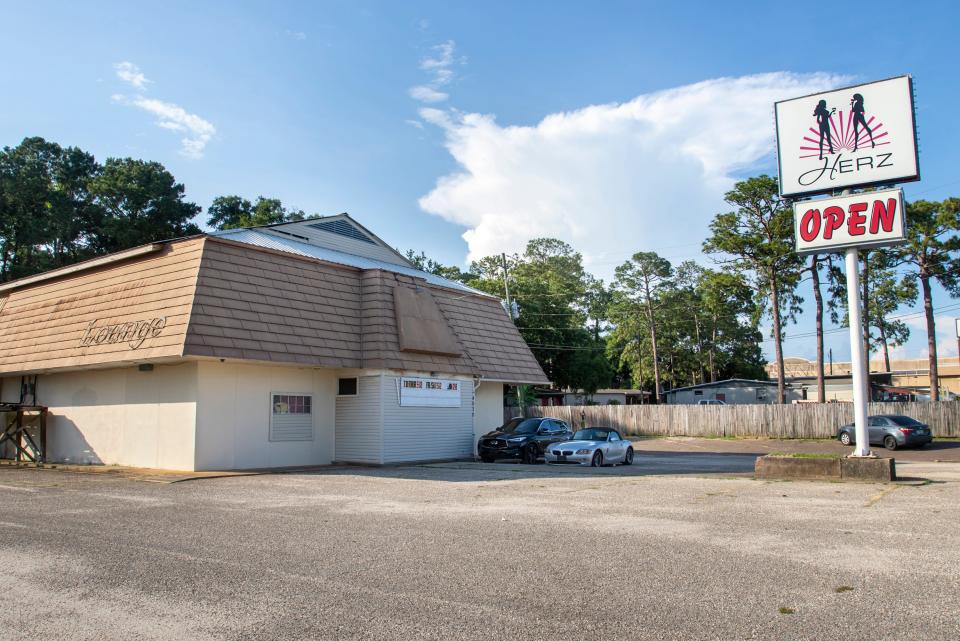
<point x="738" y="464"/>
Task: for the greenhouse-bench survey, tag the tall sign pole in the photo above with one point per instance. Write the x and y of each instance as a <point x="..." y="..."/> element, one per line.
<point x="858" y="367"/>
<point x="854" y="137"/>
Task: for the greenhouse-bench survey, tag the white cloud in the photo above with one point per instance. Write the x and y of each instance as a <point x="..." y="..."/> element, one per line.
<point x="131" y="74"/>
<point x="414" y="123"/>
<point x="440" y="67"/>
<point x="424" y="93"/>
<point x="296" y="35"/>
<point x="610" y="179"/>
<point x="946" y="335"/>
<point x="198" y="131"/>
<point x="444" y="58"/>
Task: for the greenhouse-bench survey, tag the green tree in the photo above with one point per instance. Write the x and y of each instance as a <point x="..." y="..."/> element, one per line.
<point x="642" y="281"/>
<point x="756" y="239"/>
<point x="139" y="202"/>
<point x="929" y="252"/>
<point x="46" y="211"/>
<point x="728" y="314"/>
<point x="548" y="287"/>
<point x="888" y="293"/>
<point x="597" y="306"/>
<point x="814" y="268"/>
<point x="235" y="212"/>
<point x="423" y="262"/>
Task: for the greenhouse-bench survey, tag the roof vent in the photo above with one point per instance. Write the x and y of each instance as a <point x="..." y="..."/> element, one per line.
<point x="342" y="228"/>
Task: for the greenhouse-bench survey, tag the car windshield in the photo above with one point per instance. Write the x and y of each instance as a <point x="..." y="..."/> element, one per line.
<point x="521" y="426"/>
<point x="591" y="435"/>
<point x="904" y="421"/>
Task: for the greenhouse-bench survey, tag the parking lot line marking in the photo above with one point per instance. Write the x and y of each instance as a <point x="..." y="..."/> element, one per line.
<point x="877" y="497"/>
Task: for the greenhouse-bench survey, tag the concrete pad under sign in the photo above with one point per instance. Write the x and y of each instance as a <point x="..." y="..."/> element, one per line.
<point x="882" y="470"/>
<point x="814" y="468"/>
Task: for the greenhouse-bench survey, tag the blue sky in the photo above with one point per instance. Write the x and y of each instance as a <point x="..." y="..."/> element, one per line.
<point x="501" y="121"/>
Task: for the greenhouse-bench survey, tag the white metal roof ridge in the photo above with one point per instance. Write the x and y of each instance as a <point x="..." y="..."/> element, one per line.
<point x="293" y="246"/>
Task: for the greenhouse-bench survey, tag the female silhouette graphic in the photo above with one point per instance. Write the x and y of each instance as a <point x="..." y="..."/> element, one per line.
<point x="856" y="105"/>
<point x="823" y="120"/>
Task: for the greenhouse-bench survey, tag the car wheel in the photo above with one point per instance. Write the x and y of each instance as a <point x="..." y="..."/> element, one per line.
<point x="597" y="459"/>
<point x="530" y="456"/>
<point x="487" y="459"/>
<point x="890" y="443"/>
<point x="845" y="438"/>
<point x="628" y="457"/>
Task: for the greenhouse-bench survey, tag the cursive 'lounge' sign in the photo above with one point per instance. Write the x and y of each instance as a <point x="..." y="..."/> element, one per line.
<point x="133" y="333"/>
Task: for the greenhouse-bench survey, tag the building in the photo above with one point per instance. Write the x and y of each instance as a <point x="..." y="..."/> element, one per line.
<point x="733" y="391"/>
<point x="908" y="379"/>
<point x="607" y="397"/>
<point x="301" y="343"/>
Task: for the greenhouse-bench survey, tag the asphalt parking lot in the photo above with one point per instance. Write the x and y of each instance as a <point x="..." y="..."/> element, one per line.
<point x="682" y="545"/>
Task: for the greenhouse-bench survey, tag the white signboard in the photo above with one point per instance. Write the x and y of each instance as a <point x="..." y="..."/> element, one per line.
<point x="429" y="392"/>
<point x="869" y="219"/>
<point x="857" y="136"/>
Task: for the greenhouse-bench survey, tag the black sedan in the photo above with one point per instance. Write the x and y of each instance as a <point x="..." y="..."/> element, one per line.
<point x="522" y="438"/>
<point x="891" y="431"/>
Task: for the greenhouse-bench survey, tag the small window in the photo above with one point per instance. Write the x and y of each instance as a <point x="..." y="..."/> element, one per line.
<point x="698" y="392"/>
<point x="720" y="397"/>
<point x="291" y="418"/>
<point x="614" y="436"/>
<point x="347" y="386"/>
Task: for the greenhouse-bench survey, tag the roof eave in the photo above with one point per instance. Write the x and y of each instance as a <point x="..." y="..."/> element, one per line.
<point x="82" y="266"/>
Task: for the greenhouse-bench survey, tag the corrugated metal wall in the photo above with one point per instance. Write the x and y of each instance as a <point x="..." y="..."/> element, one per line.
<point x="424" y="433"/>
<point x="359" y="429"/>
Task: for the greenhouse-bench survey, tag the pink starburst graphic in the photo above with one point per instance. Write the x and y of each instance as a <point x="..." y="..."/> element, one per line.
<point x="843" y="136"/>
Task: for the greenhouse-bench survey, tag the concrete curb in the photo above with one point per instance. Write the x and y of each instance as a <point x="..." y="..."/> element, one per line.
<point x="784" y="468"/>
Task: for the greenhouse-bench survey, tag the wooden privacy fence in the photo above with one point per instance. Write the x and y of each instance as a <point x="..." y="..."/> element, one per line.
<point x="803" y="420"/>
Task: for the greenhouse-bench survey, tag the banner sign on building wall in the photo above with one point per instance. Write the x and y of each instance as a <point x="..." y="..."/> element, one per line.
<point x="856" y="136"/>
<point x="870" y="219"/>
<point x="429" y="392"/>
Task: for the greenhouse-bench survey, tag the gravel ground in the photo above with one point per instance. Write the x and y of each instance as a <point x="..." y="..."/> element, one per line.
<point x="471" y="551"/>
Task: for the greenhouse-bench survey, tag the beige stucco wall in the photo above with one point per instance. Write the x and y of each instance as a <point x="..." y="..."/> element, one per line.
<point x="233" y="415"/>
<point x="488" y="410"/>
<point x="119" y="416"/>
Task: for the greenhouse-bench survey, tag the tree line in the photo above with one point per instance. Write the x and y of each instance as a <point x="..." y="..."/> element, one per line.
<point x="659" y="325"/>
<point x="656" y="326"/>
<point x="58" y="205"/>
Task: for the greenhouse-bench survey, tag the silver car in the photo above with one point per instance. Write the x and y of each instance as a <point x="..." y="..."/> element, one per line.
<point x="594" y="446"/>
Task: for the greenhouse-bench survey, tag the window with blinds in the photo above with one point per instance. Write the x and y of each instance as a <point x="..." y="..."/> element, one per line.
<point x="291" y="418"/>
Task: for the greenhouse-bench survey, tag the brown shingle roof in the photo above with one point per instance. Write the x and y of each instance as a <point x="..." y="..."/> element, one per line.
<point x="337" y="316"/>
<point x="226" y="299"/>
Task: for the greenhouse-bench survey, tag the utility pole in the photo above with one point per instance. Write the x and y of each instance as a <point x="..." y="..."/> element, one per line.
<point x="506" y="292"/>
<point x="506" y="284"/>
<point x="957" y="323"/>
<point x="831" y="361"/>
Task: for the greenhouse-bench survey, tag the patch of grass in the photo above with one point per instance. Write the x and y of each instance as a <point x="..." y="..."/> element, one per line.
<point x="829" y="455"/>
<point x="843" y="588"/>
<point x="787" y="610"/>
